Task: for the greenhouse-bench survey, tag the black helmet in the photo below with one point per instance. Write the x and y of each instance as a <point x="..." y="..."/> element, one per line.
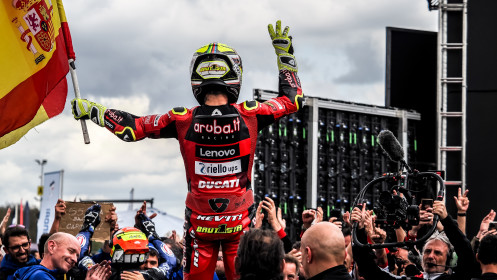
<point x="216" y="64"/>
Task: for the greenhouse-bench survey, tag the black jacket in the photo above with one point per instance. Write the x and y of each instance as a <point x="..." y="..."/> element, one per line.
<point x="338" y="272"/>
<point x="487" y="276"/>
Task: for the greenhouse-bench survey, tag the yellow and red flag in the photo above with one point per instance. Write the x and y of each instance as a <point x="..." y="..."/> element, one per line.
<point x="35" y="47"/>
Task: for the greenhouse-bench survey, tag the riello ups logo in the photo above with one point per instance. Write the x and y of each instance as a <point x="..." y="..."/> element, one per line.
<point x="218" y="169"/>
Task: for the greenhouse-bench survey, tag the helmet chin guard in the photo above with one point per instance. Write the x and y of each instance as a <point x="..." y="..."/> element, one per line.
<point x="216" y="67"/>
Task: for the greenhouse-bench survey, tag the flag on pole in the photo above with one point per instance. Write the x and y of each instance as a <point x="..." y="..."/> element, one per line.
<point x="34" y="52"/>
<point x="26" y="215"/>
<point x="21" y="214"/>
<point x="16" y="214"/>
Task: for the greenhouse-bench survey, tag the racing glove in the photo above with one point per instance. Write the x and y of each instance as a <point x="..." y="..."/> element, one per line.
<point x="84" y="109"/>
<point x="282" y="44"/>
<point x="146" y="225"/>
<point x="92" y="218"/>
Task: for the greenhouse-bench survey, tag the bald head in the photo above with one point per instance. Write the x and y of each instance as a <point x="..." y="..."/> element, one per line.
<point x="326" y="244"/>
<point x="61" y="238"/>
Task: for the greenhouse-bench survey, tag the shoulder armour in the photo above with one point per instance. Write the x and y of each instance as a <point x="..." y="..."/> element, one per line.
<point x="250" y="105"/>
<point x="179" y="111"/>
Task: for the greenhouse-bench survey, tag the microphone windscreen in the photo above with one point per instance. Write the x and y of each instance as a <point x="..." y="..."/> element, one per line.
<point x="390" y="145"/>
<point x="412" y="270"/>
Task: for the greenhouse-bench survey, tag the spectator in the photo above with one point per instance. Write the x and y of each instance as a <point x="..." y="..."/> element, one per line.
<point x="487" y="256"/>
<point x="292" y="268"/>
<point x="41" y="243"/>
<point x="152" y="260"/>
<point x="260" y="255"/>
<point x="274" y="220"/>
<point x="484" y="227"/>
<point x="3" y="224"/>
<point x="60" y="210"/>
<point x="462" y="204"/>
<point x="16" y="243"/>
<point x="437" y="252"/>
<point x="220" y="273"/>
<point x="323" y="252"/>
<point x="61" y="254"/>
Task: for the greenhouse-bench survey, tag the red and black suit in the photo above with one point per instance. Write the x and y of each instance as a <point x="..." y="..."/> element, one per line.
<point x="217" y="144"/>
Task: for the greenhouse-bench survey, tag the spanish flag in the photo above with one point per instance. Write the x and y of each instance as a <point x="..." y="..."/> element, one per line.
<point x="35" y="47"/>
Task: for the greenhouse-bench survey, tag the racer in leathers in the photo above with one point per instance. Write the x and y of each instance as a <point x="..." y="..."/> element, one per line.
<point x="217" y="141"/>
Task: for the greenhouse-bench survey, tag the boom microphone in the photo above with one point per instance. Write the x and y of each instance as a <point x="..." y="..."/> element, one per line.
<point x="390" y="145"/>
<point x="430" y="264"/>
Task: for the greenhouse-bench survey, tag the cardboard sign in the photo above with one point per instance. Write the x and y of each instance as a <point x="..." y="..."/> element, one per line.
<point x="72" y="220"/>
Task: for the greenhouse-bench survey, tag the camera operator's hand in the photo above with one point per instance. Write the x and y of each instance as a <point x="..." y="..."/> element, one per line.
<point x="358" y="216"/>
<point x="439" y="209"/>
<point x="425" y="216"/>
<point x="462" y="201"/>
<point x="268" y="205"/>
<point x="378" y="235"/>
<point x="92" y="218"/>
<point x="485" y="224"/>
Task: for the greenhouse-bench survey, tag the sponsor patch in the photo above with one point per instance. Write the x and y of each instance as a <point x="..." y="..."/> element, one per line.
<point x="81" y="239"/>
<point x="217" y="152"/>
<point x="226" y="184"/>
<point x="220" y="218"/>
<point x="220" y="229"/>
<point x="166" y="250"/>
<point x="213" y="69"/>
<point x="216" y="128"/>
<point x="218" y="169"/>
<point x="156" y="120"/>
<point x="218" y="205"/>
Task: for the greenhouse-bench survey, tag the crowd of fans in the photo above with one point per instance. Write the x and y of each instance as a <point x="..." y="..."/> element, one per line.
<point x="326" y="249"/>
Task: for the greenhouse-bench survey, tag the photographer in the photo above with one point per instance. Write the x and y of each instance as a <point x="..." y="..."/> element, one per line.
<point x="437" y="252"/>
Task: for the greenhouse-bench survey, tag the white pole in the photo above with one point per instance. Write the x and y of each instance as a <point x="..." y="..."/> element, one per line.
<point x="74" y="77"/>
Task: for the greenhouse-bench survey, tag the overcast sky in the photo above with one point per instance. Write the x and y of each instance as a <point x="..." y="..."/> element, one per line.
<point x="135" y="56"/>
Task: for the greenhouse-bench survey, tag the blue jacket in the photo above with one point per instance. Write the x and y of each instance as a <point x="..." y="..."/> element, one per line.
<point x="8" y="266"/>
<point x="35" y="272"/>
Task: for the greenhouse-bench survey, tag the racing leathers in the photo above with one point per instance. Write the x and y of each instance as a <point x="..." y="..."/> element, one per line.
<point x="218" y="145"/>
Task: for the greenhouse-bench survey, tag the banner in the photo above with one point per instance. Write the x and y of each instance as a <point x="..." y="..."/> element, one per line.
<point x="52" y="191"/>
<point x="34" y="52"/>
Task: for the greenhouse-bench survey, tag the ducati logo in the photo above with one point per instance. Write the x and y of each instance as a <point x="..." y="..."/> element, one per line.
<point x="216" y="112"/>
<point x="218" y="205"/>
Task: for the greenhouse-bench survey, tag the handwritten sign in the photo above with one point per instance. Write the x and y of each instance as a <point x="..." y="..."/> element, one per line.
<point x="73" y="219"/>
